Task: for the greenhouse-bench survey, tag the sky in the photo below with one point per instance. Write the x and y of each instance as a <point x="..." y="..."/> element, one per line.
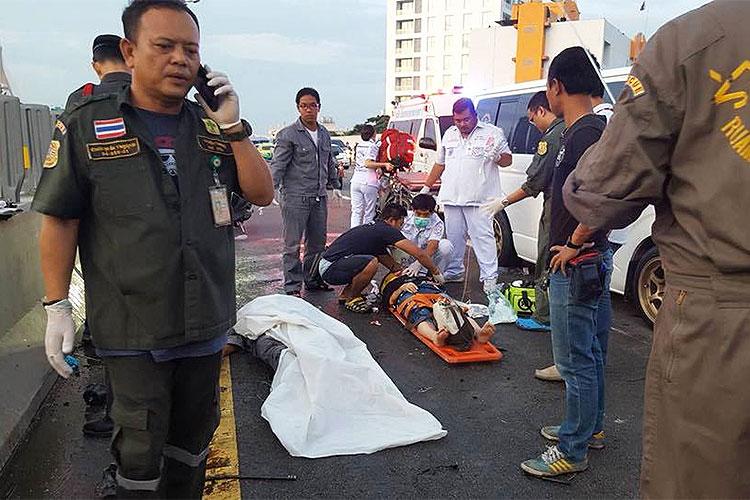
<point x="270" y="49"/>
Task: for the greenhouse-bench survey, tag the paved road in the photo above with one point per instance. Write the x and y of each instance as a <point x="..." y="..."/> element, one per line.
<point x="492" y="412"/>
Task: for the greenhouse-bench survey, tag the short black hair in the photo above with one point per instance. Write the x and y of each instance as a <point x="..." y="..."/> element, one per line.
<point x="538" y="100"/>
<point x="574" y="71"/>
<point x="106" y="48"/>
<point x="307" y="91"/>
<point x="393" y="211"/>
<point x="463" y="104"/>
<point x="599" y="89"/>
<point x="423" y="202"/>
<point x="367" y="132"/>
<point x="131" y="16"/>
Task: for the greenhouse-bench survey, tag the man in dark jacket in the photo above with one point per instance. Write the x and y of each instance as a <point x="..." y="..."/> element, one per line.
<point x="109" y="66"/>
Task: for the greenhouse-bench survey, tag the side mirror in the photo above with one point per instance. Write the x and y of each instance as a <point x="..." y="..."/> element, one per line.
<point x="428" y="143"/>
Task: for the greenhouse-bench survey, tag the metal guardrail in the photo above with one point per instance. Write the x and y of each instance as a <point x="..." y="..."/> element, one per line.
<point x="25" y="133"/>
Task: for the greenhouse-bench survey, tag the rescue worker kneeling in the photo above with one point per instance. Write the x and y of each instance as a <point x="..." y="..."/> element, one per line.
<point x="353" y="258"/>
<point x="428" y="308"/>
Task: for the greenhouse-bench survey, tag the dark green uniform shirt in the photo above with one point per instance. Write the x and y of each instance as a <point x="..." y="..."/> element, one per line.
<point x="158" y="273"/>
<point x="111" y="83"/>
<point x="539" y="173"/>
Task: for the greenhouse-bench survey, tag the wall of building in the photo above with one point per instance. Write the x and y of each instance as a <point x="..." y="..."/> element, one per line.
<point x="427" y="43"/>
<point x="492" y="50"/>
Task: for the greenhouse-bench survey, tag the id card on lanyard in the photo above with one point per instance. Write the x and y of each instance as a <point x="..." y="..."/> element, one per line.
<point x="219" y="197"/>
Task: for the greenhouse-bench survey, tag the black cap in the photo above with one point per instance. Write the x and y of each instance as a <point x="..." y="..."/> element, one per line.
<point x="105" y="42"/>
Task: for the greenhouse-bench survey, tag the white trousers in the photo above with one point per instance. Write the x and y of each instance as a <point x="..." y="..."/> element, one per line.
<point x="364" y="200"/>
<point x="469" y="222"/>
<point x="441" y="258"/>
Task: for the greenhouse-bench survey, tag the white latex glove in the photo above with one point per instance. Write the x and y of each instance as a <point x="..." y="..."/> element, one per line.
<point x="492" y="207"/>
<point x="228" y="114"/>
<point x="424" y="190"/>
<point x="60" y="336"/>
<point x="438" y="278"/>
<point x="412" y="269"/>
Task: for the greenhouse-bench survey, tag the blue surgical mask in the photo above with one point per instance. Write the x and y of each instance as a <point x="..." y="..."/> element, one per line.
<point x="421" y="222"/>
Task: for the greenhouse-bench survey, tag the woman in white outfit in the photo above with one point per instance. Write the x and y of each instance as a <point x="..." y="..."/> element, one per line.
<point x="365" y="183"/>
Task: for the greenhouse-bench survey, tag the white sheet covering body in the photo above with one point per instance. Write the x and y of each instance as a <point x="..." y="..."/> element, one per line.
<point x="329" y="396"/>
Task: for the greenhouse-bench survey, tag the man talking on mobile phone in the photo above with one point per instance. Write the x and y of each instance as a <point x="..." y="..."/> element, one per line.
<point x="139" y="183"/>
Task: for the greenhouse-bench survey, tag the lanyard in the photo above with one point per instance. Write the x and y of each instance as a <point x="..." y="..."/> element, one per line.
<point x="215" y="164"/>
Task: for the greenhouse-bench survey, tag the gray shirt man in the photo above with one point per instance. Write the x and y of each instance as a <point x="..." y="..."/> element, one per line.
<point x="302" y="170"/>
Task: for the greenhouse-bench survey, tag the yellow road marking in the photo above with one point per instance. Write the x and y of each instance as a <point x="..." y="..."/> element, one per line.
<point x="223" y="458"/>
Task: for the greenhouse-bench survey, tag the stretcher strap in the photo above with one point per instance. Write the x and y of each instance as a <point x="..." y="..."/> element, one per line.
<point x="417" y="300"/>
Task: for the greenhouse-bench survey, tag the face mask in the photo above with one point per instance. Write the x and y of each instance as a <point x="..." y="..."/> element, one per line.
<point x="421" y="222"/>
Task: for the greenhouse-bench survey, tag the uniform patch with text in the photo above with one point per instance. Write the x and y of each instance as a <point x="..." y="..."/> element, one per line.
<point x="109" y="129"/>
<point x="214" y="146"/>
<point x="61" y="127"/>
<point x="635" y="85"/>
<point x="113" y="150"/>
<point x="52" y="154"/>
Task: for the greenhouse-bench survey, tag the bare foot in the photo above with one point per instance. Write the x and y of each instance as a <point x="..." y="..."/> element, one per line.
<point x="485" y="333"/>
<point x="442" y="336"/>
<point x="229" y="349"/>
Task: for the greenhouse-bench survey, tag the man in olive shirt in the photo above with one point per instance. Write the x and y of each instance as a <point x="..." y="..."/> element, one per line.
<point x="680" y="140"/>
<point x="538" y="180"/>
<point x="109" y="66"/>
<point x="139" y="181"/>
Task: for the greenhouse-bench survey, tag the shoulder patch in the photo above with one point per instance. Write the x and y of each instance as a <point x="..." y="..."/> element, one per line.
<point x="541" y="149"/>
<point x="214" y="146"/>
<point x="211" y="126"/>
<point x="52" y="154"/>
<point x="635" y="86"/>
<point x="61" y="127"/>
<point x="114" y="149"/>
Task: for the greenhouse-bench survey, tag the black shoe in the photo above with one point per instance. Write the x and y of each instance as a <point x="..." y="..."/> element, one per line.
<point x="320" y="286"/>
<point x="101" y="428"/>
<point x="294" y="293"/>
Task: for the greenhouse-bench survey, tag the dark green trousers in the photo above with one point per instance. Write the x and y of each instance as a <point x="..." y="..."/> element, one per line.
<point x="541" y="301"/>
<point x="165" y="416"/>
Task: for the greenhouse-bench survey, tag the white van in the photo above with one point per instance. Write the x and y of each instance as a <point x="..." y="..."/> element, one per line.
<point x="637" y="268"/>
<point x="426" y="118"/>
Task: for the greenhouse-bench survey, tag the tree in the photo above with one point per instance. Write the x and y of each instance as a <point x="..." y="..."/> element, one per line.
<point x="380" y="122"/>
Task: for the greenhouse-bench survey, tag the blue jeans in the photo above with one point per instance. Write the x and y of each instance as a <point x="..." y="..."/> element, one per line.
<point x="580" y="333"/>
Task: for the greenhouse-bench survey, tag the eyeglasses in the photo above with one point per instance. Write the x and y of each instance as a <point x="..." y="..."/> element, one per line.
<point x="308" y="106"/>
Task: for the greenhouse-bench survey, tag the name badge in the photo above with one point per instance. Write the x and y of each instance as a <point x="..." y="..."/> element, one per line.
<point x="113" y="150"/>
<point x="220" y="205"/>
<point x="214" y="146"/>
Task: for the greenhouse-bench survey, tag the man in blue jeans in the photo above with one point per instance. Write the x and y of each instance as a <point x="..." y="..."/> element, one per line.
<point x="580" y="307"/>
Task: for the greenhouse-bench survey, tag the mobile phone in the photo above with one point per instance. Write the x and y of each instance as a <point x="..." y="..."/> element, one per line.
<point x="206" y="92"/>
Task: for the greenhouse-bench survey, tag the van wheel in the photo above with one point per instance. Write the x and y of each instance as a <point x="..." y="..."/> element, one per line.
<point x="648" y="287"/>
<point x="506" y="253"/>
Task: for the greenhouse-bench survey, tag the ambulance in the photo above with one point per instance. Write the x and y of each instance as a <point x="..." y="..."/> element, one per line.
<point x="638" y="273"/>
<point x="426" y="118"/>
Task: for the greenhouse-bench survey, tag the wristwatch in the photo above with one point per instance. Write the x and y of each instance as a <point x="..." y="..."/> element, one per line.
<point x="505" y="202"/>
<point x="243" y="134"/>
<point x="572" y="245"/>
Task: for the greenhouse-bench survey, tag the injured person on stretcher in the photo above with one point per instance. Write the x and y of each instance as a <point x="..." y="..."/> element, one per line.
<point x="427" y="307"/>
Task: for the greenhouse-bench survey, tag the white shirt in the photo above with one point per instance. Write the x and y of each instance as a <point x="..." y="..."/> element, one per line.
<point x="313" y="136"/>
<point x="435" y="230"/>
<point x="471" y="175"/>
<point x="364" y="151"/>
<point x="604" y="109"/>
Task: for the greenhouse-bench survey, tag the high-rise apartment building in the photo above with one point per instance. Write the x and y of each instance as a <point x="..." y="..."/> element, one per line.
<point x="428" y="43"/>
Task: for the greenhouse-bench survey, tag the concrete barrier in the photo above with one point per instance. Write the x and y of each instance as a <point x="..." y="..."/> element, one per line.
<point x="26" y="377"/>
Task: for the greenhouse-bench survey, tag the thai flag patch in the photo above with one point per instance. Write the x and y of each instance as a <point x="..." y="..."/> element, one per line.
<point x="109" y="129"/>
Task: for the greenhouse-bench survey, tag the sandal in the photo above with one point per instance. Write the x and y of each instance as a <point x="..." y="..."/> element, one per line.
<point x="358" y="305"/>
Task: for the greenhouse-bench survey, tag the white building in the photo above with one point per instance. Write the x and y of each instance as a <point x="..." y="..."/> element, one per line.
<point x="493" y="49"/>
<point x="428" y="43"/>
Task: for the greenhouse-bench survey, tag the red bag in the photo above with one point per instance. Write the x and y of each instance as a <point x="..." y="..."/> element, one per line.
<point x="396" y="147"/>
